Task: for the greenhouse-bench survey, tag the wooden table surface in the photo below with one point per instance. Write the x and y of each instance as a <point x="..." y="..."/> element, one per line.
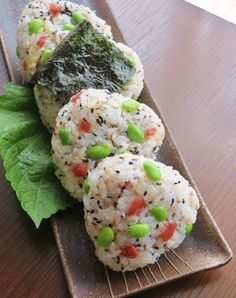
<point x="190" y="64"/>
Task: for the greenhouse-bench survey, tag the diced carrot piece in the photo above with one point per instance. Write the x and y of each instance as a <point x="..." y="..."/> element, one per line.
<point x="167" y="231"/>
<point x="41" y="41"/>
<point x="80" y="169"/>
<point x="136" y="206"/>
<point x="75" y="98"/>
<point x="55" y="8"/>
<point x="129" y="251"/>
<point x="85" y="126"/>
<point x="150" y="132"/>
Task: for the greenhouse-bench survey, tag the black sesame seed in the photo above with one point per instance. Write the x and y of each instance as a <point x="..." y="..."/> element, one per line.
<point x="145" y="193"/>
<point x="155" y="148"/>
<point x="118" y="172"/>
<point x="172" y="201"/>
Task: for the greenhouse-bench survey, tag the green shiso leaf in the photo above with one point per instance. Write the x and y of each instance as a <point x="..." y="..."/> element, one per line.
<point x="84" y="59"/>
<point x="26" y="151"/>
<point x="17" y="98"/>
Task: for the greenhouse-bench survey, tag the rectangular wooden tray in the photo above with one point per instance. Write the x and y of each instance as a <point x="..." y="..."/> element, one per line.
<point x="204" y="249"/>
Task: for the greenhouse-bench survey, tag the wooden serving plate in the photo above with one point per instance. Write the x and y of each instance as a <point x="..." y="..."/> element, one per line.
<point x="204" y="249"/>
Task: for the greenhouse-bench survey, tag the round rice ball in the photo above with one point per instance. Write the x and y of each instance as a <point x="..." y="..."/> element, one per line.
<point x="134" y="214"/>
<point x="49" y="105"/>
<point x="112" y="123"/>
<point x="54" y="14"/>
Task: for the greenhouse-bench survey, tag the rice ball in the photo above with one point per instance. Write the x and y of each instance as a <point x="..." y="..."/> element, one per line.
<point x="135" y="209"/>
<point x="49" y="105"/>
<point x="96" y="124"/>
<point x="42" y="26"/>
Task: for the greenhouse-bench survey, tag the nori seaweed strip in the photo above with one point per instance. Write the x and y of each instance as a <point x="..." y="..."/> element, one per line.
<point x="84" y="59"/>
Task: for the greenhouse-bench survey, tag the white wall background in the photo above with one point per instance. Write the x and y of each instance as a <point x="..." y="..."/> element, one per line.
<point x="225" y="9"/>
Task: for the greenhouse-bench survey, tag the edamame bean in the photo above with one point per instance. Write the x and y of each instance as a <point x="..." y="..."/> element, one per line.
<point x="68" y="27"/>
<point x="122" y="151"/>
<point x="132" y="61"/>
<point x="77" y="17"/>
<point x="160" y="213"/>
<point x="130" y="105"/>
<point x="97" y="152"/>
<point x="45" y="55"/>
<point x="86" y="186"/>
<point x="105" y="236"/>
<point x="17" y="52"/>
<point x="139" y="230"/>
<point x="35" y="25"/>
<point x="64" y="136"/>
<point x="134" y="133"/>
<point x="152" y="170"/>
<point x="188" y="228"/>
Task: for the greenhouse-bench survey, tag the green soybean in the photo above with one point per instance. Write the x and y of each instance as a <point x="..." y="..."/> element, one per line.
<point x="188" y="228"/>
<point x="122" y="151"/>
<point x="45" y="55"/>
<point x="64" y="136"/>
<point x="130" y="105"/>
<point x="139" y="230"/>
<point x="152" y="170"/>
<point x="68" y="27"/>
<point x="97" y="152"/>
<point x="132" y="61"/>
<point x="35" y="25"/>
<point x="105" y="236"/>
<point x="86" y="186"/>
<point x="160" y="213"/>
<point x="135" y="134"/>
<point x="17" y="52"/>
<point x="77" y="17"/>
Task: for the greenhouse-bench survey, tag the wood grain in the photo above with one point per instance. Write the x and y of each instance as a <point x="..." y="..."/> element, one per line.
<point x="189" y="58"/>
